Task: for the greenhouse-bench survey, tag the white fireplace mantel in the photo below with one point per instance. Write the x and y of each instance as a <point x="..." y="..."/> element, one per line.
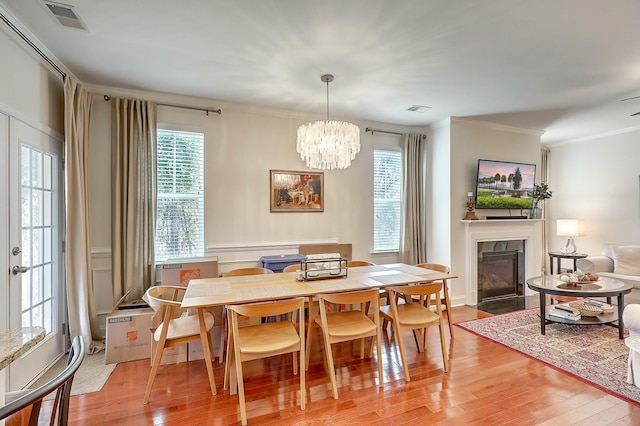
<point x="477" y="231"/>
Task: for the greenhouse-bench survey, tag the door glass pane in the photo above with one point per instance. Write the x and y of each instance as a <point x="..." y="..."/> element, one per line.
<point x="36" y="282"/>
<point x="47" y="219"/>
<point x="25" y="161"/>
<point x="36" y="169"/>
<point x="36" y="246"/>
<point x="36" y="207"/>
<point x="38" y="239"/>
<point x="26" y="206"/>
<point x="46" y="245"/>
<point x="46" y="173"/>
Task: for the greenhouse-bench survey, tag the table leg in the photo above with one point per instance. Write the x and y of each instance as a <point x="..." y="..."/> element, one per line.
<point x="543" y="322"/>
<point x="620" y="322"/>
<point x="551" y="265"/>
<point x="558" y="265"/>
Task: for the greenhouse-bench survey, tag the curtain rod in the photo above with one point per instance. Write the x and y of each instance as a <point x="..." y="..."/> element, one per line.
<point x="368" y="129"/>
<point x="32" y="45"/>
<point x="207" y="110"/>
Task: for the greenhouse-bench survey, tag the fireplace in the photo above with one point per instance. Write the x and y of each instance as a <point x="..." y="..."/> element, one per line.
<point x="500" y="269"/>
<point x="525" y="232"/>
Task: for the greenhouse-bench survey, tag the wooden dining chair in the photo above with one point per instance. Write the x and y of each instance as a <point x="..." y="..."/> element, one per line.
<point x="346" y="326"/>
<point x="291" y="268"/>
<point x="267" y="340"/>
<point x="415" y="315"/>
<point x="236" y="273"/>
<point x="356" y="263"/>
<point x="442" y="298"/>
<point x="247" y="271"/>
<point x="177" y="328"/>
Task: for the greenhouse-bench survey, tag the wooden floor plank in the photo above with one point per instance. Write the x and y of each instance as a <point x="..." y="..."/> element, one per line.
<point x="488" y="384"/>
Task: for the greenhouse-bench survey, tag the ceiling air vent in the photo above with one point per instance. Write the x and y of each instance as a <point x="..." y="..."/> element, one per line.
<point x="65" y="15"/>
<point x="418" y="108"/>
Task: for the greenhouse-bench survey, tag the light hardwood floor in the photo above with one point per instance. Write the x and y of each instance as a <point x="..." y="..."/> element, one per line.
<point x="488" y="384"/>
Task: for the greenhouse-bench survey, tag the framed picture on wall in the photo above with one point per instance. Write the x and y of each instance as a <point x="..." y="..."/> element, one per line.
<point x="291" y="191"/>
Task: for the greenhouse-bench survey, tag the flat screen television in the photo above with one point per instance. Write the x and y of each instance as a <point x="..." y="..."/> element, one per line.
<point x="505" y="185"/>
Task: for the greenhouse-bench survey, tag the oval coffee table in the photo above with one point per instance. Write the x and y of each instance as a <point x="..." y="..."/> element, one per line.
<point x="604" y="287"/>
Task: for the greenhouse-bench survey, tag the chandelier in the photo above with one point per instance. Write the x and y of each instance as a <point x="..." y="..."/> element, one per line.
<point x="328" y="144"/>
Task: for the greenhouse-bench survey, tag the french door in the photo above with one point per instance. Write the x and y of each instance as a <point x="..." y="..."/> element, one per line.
<point x="35" y="228"/>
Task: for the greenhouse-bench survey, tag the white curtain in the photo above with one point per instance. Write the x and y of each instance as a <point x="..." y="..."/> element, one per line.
<point x="133" y="196"/>
<point x="414" y="234"/>
<point x="83" y="319"/>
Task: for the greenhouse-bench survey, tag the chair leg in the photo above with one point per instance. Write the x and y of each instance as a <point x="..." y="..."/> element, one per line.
<point x="443" y="346"/>
<point x="154" y="369"/>
<point x="405" y="366"/>
<point x="207" y="348"/>
<point x="332" y="370"/>
<point x="227" y="366"/>
<point x="447" y="304"/>
<point x="379" y="353"/>
<point x="243" y="407"/>
<point x="312" y="320"/>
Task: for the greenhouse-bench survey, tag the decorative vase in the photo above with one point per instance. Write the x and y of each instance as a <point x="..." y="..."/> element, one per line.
<point x="536" y="212"/>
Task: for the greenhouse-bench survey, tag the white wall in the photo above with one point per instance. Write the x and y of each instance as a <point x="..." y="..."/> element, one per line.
<point x="597" y="180"/>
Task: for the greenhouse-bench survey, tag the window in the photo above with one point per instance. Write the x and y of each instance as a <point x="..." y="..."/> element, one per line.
<point x="387" y="195"/>
<point x="180" y="210"/>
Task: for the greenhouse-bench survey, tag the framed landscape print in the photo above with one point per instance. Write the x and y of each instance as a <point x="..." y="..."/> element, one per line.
<point x="291" y="191"/>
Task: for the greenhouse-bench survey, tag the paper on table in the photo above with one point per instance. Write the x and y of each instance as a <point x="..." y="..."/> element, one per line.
<point x="398" y="278"/>
<point x="196" y="289"/>
<point x="334" y="285"/>
<point x="270" y="292"/>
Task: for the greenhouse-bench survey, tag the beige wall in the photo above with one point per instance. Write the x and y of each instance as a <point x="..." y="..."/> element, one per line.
<point x="241" y="146"/>
<point x="470" y="141"/>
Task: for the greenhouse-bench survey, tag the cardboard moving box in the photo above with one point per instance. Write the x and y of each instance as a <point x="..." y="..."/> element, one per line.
<point x="128" y="335"/>
<point x="181" y="271"/>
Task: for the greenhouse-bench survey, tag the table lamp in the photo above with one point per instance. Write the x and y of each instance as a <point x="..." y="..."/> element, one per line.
<point x="570" y="228"/>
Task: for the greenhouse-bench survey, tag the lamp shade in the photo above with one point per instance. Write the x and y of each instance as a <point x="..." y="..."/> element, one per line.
<point x="570" y="227"/>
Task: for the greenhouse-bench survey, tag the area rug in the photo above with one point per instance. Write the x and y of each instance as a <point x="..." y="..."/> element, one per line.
<point x="90" y="377"/>
<point x="591" y="353"/>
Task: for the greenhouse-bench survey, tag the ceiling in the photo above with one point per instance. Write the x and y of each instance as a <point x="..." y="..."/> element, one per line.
<point x="561" y="66"/>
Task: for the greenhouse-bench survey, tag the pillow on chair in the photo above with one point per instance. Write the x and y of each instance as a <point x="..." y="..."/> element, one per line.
<point x="626" y="260"/>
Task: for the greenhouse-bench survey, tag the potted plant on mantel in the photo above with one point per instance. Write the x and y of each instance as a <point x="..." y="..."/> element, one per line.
<point x="540" y="192"/>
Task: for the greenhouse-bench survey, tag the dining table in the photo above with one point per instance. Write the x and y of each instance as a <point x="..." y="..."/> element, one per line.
<point x="205" y="293"/>
<point x="208" y="292"/>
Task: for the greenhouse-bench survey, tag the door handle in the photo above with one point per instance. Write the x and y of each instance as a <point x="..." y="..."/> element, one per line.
<point x="19" y="269"/>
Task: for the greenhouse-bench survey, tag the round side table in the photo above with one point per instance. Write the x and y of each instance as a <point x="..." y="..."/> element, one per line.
<point x="559" y="256"/>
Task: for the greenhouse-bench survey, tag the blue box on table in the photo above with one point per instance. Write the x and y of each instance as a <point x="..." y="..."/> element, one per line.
<point x="278" y="262"/>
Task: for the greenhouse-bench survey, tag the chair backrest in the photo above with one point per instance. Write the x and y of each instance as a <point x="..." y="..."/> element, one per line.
<point x="291" y="268"/>
<point x="267" y="309"/>
<point x="351" y="298"/>
<point x="417" y="290"/>
<point x="165" y="300"/>
<point x="247" y="271"/>
<point x="435" y="267"/>
<point x="61" y="384"/>
<point x="354" y="263"/>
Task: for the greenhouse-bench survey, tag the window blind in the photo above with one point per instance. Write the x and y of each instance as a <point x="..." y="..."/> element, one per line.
<point x="180" y="194"/>
<point x="387" y="195"/>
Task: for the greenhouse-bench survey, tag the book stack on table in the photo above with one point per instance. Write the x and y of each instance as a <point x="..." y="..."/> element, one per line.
<point x="606" y="308"/>
<point x="565" y="312"/>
